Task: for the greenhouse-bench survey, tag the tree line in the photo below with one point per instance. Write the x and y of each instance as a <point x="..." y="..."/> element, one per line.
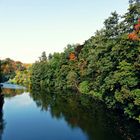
<point x="106" y="66"/>
<point x="8" y="68"/>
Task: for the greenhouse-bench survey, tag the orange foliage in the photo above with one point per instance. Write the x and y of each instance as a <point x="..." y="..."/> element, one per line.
<point x="9" y="66"/>
<point x="27" y="65"/>
<point x="72" y="56"/>
<point x="135" y="35"/>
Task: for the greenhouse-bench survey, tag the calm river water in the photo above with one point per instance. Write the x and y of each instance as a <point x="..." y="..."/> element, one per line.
<point x="43" y="116"/>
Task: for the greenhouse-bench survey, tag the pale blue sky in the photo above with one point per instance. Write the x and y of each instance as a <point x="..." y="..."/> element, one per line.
<point x="28" y="27"/>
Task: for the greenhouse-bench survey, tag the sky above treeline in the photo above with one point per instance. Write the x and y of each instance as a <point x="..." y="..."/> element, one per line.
<point x="29" y="27"/>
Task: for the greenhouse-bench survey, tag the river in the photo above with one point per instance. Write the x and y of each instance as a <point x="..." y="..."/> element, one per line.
<point x="43" y="116"/>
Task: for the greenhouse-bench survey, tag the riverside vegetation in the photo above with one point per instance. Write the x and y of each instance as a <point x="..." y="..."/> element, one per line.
<point x="106" y="67"/>
<point x="15" y="72"/>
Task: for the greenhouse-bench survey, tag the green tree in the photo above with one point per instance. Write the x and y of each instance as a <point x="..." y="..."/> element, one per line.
<point x="106" y="66"/>
<point x="43" y="57"/>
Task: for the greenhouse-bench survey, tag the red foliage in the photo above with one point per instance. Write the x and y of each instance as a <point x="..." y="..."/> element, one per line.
<point x="137" y="27"/>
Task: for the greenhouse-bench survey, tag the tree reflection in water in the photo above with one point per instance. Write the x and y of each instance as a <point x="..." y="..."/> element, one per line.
<point x="92" y="117"/>
<point x="1" y="115"/>
<point x="8" y="93"/>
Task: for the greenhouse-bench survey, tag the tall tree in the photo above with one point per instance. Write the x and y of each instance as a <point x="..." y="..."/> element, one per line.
<point x="43" y="57"/>
<point x="132" y="16"/>
<point x="0" y="72"/>
<point x="111" y="26"/>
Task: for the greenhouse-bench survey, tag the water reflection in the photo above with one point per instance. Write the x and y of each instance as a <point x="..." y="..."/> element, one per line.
<point x="7" y="92"/>
<point x="80" y="112"/>
<point x="11" y="90"/>
<point x="1" y="115"/>
<point x="65" y="116"/>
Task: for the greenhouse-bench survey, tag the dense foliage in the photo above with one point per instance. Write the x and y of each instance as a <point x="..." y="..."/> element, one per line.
<point x="106" y="66"/>
<point x="9" y="68"/>
<point x="22" y="77"/>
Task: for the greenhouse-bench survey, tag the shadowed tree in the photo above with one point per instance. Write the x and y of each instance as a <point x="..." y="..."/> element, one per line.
<point x="1" y="115"/>
<point x="43" y="57"/>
